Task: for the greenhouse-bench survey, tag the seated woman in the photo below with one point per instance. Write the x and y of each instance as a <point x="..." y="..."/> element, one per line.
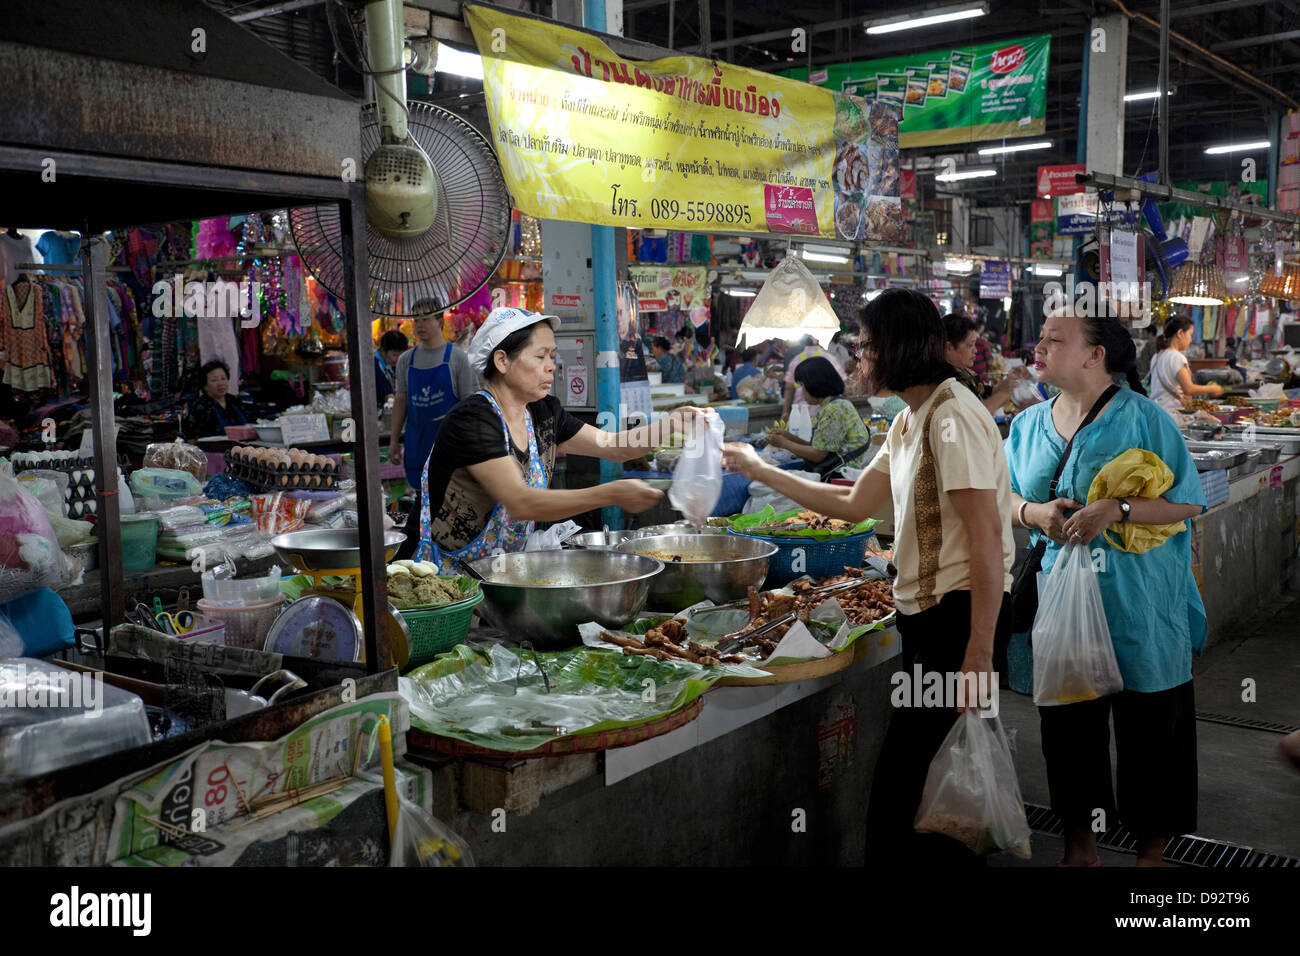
<point x="837" y="430"/>
<point x="215" y="408"/>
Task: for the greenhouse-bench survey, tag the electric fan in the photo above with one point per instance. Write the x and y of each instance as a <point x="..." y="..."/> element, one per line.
<point x="437" y="208"/>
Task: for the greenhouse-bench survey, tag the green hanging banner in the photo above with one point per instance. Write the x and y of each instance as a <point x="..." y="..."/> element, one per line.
<point x="959" y="95"/>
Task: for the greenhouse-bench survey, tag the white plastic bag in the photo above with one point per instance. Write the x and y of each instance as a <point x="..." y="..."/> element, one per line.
<point x="29" y="551"/>
<point x="971" y="792"/>
<point x="697" y="479"/>
<point x="1074" y="659"/>
<point x="552" y="537"/>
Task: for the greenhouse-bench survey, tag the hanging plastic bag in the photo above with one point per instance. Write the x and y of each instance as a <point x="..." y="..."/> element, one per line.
<point x="697" y="479"/>
<point x="178" y="456"/>
<point x="29" y="552"/>
<point x="971" y="792"/>
<point x="419" y="839"/>
<point x="1074" y="659"/>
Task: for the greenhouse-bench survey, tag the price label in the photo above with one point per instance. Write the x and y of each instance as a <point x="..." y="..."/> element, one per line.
<point x="299" y="429"/>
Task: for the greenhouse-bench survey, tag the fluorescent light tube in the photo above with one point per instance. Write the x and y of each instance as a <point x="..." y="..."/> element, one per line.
<point x="1144" y="95"/>
<point x="458" y="63"/>
<point x="964" y="174"/>
<point x="820" y="257"/>
<point x="1235" y="147"/>
<point x="1017" y="148"/>
<point x="928" y="18"/>
<point x="1043" y="269"/>
<point x="743" y="293"/>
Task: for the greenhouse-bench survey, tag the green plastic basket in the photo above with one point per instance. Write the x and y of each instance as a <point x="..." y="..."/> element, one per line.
<point x="435" y="630"/>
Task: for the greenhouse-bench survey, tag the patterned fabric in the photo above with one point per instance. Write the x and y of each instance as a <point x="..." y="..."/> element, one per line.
<point x="839" y="429"/>
<point x="22" y="334"/>
<point x="500" y="535"/>
<point x="983" y="352"/>
<point x="929" y="514"/>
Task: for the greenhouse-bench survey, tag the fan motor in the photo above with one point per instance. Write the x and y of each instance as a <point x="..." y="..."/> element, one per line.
<point x="401" y="196"/>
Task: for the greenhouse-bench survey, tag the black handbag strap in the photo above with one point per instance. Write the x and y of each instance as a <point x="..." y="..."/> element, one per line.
<point x="834" y="462"/>
<point x="1093" y="412"/>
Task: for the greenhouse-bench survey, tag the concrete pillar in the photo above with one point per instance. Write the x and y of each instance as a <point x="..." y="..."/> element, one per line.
<point x="1107" y="82"/>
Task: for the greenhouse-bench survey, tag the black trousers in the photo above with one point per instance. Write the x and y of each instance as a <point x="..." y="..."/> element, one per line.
<point x="936" y="639"/>
<point x="1155" y="750"/>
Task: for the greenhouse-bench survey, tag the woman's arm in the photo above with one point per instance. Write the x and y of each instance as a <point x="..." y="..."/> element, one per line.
<point x="1091" y="521"/>
<point x="500" y="478"/>
<point x="865" y="499"/>
<point x="1185" y="383"/>
<point x="398" y="422"/>
<point x="632" y="443"/>
<point x="978" y="509"/>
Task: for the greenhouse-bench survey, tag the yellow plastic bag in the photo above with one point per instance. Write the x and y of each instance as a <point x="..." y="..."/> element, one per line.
<point x="1137" y="473"/>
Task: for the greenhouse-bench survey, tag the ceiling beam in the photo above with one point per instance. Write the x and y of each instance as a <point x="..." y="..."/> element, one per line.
<point x="1205" y="9"/>
<point x="1257" y="41"/>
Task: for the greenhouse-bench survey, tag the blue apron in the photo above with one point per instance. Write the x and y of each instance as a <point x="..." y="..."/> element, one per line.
<point x="429" y="397"/>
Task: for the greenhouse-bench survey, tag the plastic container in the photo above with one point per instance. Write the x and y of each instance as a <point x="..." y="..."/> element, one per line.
<point x="41" y="739"/>
<point x="139" y="541"/>
<point x="246" y="625"/>
<point x="241" y="432"/>
<point x="818" y="559"/>
<point x="235" y="592"/>
<point x="206" y="629"/>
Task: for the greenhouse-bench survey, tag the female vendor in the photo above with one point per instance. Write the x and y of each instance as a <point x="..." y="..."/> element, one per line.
<point x="489" y="472"/>
<point x="215" y="408"/>
<point x="838" y="431"/>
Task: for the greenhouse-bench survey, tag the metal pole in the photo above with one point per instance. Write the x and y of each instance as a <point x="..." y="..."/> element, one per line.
<point x="706" y="29"/>
<point x="1162" y="86"/>
<point x="108" y="512"/>
<point x="275" y="8"/>
<point x="672" y="16"/>
<point x="365" y="449"/>
<point x="605" y="278"/>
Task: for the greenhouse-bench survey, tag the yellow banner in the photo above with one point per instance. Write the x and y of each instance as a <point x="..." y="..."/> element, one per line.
<point x="682" y="142"/>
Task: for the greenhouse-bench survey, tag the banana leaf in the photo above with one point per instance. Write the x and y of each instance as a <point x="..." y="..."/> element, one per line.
<point x="752" y="523"/>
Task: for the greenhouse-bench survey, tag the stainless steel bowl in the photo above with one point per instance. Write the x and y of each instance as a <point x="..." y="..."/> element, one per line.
<point x="729" y="565"/>
<point x="600" y="540"/>
<point x="682" y="527"/>
<point x="329" y="550"/>
<point x="542" y="596"/>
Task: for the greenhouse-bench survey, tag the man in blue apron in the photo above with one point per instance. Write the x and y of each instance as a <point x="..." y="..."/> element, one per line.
<point x="429" y="380"/>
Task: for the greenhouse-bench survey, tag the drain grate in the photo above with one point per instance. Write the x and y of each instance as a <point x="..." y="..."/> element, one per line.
<point x="1185" y="850"/>
<point x="1247" y="723"/>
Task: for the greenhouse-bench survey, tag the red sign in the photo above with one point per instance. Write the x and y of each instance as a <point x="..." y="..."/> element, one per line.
<point x="1059" y="180"/>
<point x="1007" y="59"/>
<point x="1041" y="211"/>
<point x="566" y="301"/>
<point x="907" y="187"/>
<point x="790" y="209"/>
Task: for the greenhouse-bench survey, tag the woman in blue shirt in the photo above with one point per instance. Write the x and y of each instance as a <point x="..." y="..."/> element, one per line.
<point x="1153" y="608"/>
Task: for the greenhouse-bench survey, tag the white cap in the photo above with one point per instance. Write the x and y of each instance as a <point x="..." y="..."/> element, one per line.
<point x="496" y="327"/>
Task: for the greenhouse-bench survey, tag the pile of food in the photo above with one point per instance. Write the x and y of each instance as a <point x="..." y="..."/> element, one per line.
<point x="804" y="519"/>
<point x="862" y="605"/>
<point x="416" y="584"/>
<point x="871" y="602"/>
<point x="1282" y="418"/>
<point x="1200" y="405"/>
<point x="669" y="641"/>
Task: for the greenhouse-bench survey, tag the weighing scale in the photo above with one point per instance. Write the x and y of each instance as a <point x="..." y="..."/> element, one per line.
<point x="335" y="612"/>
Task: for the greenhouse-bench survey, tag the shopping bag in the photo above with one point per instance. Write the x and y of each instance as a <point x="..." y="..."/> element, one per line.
<point x="971" y="792"/>
<point x="1074" y="659"/>
<point x="420" y="839"/>
<point x="697" y="479"/>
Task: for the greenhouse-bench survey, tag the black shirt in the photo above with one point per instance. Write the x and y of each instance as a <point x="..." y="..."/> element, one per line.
<point x="472" y="433"/>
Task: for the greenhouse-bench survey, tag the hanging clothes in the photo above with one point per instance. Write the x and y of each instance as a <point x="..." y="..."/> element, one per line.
<point x="61" y="248"/>
<point x="217" y="341"/>
<point x="14" y="249"/>
<point x="22" y="324"/>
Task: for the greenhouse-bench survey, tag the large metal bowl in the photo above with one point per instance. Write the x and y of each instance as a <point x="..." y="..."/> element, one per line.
<point x="717" y="567"/>
<point x="542" y="596"/>
<point x="681" y="527"/>
<point x="599" y="540"/>
<point x="329" y="550"/>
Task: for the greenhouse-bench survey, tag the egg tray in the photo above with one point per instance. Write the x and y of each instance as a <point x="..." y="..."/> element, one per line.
<point x="281" y="478"/>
